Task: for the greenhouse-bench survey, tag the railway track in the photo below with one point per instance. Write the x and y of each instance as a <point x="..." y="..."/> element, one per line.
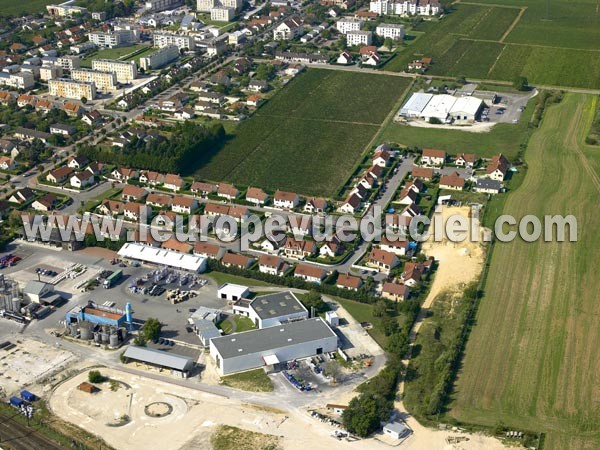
<point x="16" y="436"/>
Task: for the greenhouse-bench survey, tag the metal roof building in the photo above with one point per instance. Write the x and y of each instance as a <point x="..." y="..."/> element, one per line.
<point x="163" y="257"/>
<point x="206" y="330"/>
<point x="465" y="109"/>
<point x="438" y="107"/>
<point x="270" y="346"/>
<point x="273" y="309"/>
<point x="415" y="105"/>
<point x="160" y="358"/>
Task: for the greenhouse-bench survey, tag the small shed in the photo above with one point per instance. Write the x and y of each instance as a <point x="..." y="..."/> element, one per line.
<point x="396" y="429"/>
<point x="88" y="387"/>
<point x="233" y="292"/>
<point x="332" y="318"/>
<point x="28" y="396"/>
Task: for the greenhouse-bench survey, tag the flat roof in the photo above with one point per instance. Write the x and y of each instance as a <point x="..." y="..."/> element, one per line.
<point x="469" y="105"/>
<point x="272" y="338"/>
<point x="162" y="256"/>
<point x="277" y="305"/>
<point x="439" y="106"/>
<point x="235" y="289"/>
<point x="417" y="102"/>
<point x="100" y="313"/>
<point x="158" y="357"/>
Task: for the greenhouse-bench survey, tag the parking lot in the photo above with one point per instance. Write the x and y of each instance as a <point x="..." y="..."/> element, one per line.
<point x="507" y="109"/>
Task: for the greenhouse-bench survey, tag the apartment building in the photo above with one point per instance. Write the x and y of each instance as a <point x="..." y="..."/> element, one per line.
<point x="181" y="41"/>
<point x="160" y="57"/>
<point x="126" y="71"/>
<point x="390" y="30"/>
<point x="62" y="87"/>
<point x="69" y="62"/>
<point x="112" y="39"/>
<point x="19" y="80"/>
<point x="50" y="72"/>
<point x="349" y="24"/>
<point x="405" y="7"/>
<point x="358" y="38"/>
<point x="161" y="5"/>
<point x="222" y="14"/>
<point x="104" y="81"/>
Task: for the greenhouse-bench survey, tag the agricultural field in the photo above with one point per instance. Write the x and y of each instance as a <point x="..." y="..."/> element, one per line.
<point x="310" y="135"/>
<point x="477" y="41"/>
<point x="14" y="8"/>
<point x="531" y="359"/>
<point x="505" y="138"/>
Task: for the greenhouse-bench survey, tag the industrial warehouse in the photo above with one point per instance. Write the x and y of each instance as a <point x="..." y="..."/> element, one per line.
<point x="105" y="325"/>
<point x="271" y="310"/>
<point x="272" y="346"/>
<point x="152" y="255"/>
<point x="443" y="108"/>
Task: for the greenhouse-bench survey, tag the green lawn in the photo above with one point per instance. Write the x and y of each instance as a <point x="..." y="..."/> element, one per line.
<point x="252" y="380"/>
<point x="117" y="53"/>
<point x="241" y="324"/>
<point x="13" y="8"/>
<point x="363" y="312"/>
<point x="531" y="359"/>
<point x="222" y="278"/>
<point x="309" y="136"/>
<point x="468" y="42"/>
<point x="504" y="138"/>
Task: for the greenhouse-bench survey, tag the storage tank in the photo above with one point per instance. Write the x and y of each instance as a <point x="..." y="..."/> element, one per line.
<point x="73" y="329"/>
<point x="104" y="336"/>
<point x="97" y="337"/>
<point x="113" y="340"/>
<point x="86" y="334"/>
<point x="123" y="333"/>
<point x="128" y="312"/>
<point x="16" y="304"/>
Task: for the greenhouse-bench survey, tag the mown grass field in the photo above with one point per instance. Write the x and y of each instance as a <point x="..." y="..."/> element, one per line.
<point x="532" y="360"/>
<point x="14" y="8"/>
<point x="309" y="136"/>
<point x="504" y="137"/>
<point x="470" y="42"/>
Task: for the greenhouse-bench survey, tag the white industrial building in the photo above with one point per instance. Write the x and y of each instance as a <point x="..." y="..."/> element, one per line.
<point x="415" y="105"/>
<point x="272" y="309"/>
<point x="232" y="292"/>
<point x="466" y="109"/>
<point x="390" y="30"/>
<point x="160" y="359"/>
<point x="153" y="255"/>
<point x="272" y="346"/>
<point x="438" y="107"/>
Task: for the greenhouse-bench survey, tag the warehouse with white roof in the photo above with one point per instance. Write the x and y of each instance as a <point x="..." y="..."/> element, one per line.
<point x="465" y="109"/>
<point x="272" y="346"/>
<point x="438" y="108"/>
<point x="415" y="105"/>
<point x="153" y="255"/>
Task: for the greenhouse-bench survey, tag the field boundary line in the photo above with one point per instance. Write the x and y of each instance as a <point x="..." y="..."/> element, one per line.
<point x="310" y="119"/>
<point x="497" y="59"/>
<point x="520" y="44"/>
<point x="513" y="24"/>
<point x="495" y="5"/>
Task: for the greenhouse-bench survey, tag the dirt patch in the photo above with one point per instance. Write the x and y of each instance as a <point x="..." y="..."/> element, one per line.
<point x="232" y="438"/>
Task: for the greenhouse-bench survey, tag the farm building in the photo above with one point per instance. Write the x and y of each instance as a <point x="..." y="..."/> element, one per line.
<point x="272" y="346"/>
<point x="158" y="358"/>
<point x="415" y="105"/>
<point x="233" y="292"/>
<point x="466" y="109"/>
<point x="438" y="107"/>
<point x="272" y="309"/>
<point x="177" y="260"/>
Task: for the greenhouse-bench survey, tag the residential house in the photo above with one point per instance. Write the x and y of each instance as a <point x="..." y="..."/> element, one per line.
<point x="6" y="163"/>
<point x="78" y="162"/>
<point x="22" y="196"/>
<point x="411" y="211"/>
<point x="110" y="207"/>
<point x="361" y="191"/>
<point x="285" y="200"/>
<point x="159" y="200"/>
<point x="92" y="118"/>
<point x="96" y="168"/>
<point x="373" y="59"/>
<point x="421" y="172"/>
<point x="63" y="129"/>
<point x="299" y="249"/>
<point x="415" y="185"/>
<point x="202" y="188"/>
<point x="184" y="205"/>
<point x="258" y="86"/>
<point x="498" y="168"/>
<point x="397" y="223"/>
<point x="345" y="57"/>
<point x="124" y="174"/>
<point x="395" y="291"/>
<point x="350" y="282"/>
<point x="237" y="260"/>
<point x="46" y="202"/>
<point x="382" y="156"/>
<point x="215" y="210"/>
<point x="375" y="171"/>
<point x="453" y="181"/>
<point x="407" y="197"/>
<point x="208" y="250"/>
<point x="466" y="160"/>
<point x="227" y="191"/>
<point x="136" y="211"/>
<point x="488" y="186"/>
<point x="289" y="29"/>
<point x="315" y="205"/>
<point x="300" y="225"/>
<point x="131" y="193"/>
<point x="331" y="249"/>
<point x="73" y="109"/>
<point x="152" y="178"/>
<point x="175" y="245"/>
<point x="351" y="205"/>
<point x="382" y="260"/>
<point x="308" y="273"/>
<point x="173" y="182"/>
<point x="272" y="265"/>
<point x="83" y="179"/>
<point x="6" y="146"/>
<point x="399" y="247"/>
<point x="432" y="157"/>
<point x="60" y="175"/>
<point x="256" y="196"/>
<point x="413" y="272"/>
<point x="26" y="100"/>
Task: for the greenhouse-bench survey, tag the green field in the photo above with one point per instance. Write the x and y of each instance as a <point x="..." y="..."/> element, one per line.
<point x="470" y="42"/>
<point x="310" y="135"/>
<point x="504" y="137"/>
<point x="531" y="361"/>
<point x="14" y="8"/>
<point x="118" y="53"/>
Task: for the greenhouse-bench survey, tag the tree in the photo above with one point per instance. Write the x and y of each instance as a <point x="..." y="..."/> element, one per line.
<point x="314" y="300"/>
<point x="139" y="340"/>
<point x="521" y="83"/>
<point x="388" y="42"/>
<point x="94" y="376"/>
<point x="332" y="370"/>
<point x="152" y="329"/>
<point x="380" y="308"/>
<point x="84" y="100"/>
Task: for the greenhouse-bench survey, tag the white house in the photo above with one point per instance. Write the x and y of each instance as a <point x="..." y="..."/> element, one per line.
<point x="432" y="157"/>
<point x="184" y="205"/>
<point x="285" y="200"/>
<point x="289" y="29"/>
<point x="82" y="179"/>
<point x="344" y="58"/>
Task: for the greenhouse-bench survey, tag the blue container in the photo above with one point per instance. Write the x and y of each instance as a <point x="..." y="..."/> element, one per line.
<point x="28" y="396"/>
<point x="16" y="402"/>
